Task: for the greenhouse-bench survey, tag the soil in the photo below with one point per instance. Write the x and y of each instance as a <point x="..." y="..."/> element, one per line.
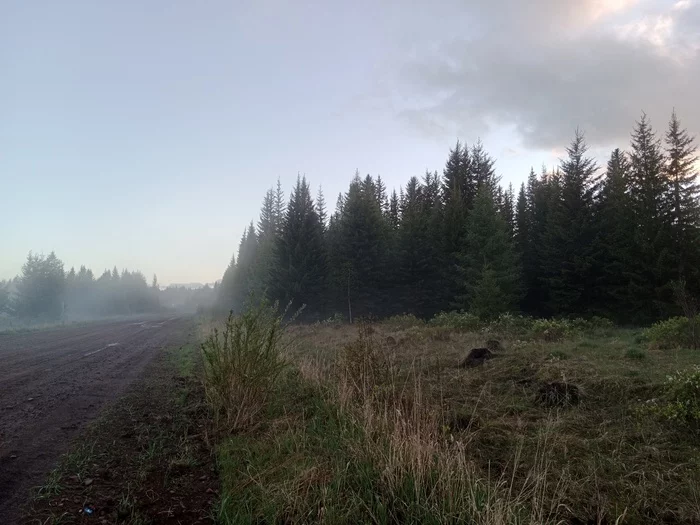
<point x="476" y="357"/>
<point x="54" y="382"/>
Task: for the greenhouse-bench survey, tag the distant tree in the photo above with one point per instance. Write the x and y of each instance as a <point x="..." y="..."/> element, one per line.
<point x="321" y="209"/>
<point x="154" y="282"/>
<point x="41" y="287"/>
<point x="4" y="296"/>
<point x="279" y="207"/>
<point x="394" y="214"/>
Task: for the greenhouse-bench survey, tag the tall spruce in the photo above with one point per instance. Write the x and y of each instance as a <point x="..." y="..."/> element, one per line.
<point x="683" y="200"/>
<point x="569" y="257"/>
<point x="649" y="188"/>
<point x="612" y="248"/>
<point x="488" y="268"/>
<point x="299" y="271"/>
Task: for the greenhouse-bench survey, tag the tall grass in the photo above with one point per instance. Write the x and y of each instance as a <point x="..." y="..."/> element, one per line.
<point x="241" y="365"/>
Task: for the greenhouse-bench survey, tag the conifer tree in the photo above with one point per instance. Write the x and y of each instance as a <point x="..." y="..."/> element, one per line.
<point x="299" y="271"/>
<point x="649" y="188"/>
<point x="612" y="247"/>
<point x="488" y="268"/>
<point x="683" y="200"/>
<point x="570" y="234"/>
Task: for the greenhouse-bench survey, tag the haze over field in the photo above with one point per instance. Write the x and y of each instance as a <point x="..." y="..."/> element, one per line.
<point x="145" y="135"/>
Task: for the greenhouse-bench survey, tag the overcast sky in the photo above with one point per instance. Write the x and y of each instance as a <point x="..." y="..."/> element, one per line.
<point x="144" y="134"/>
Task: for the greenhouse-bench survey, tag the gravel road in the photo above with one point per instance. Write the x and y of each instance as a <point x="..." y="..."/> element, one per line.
<point x="53" y="382"/>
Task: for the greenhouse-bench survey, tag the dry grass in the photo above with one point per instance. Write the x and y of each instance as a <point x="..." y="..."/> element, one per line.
<point x="380" y="425"/>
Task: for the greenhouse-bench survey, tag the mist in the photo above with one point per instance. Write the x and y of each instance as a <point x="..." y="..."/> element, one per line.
<point x="45" y="293"/>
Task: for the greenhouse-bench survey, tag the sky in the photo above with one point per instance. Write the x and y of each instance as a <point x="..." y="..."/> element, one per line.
<point x="144" y="135"/>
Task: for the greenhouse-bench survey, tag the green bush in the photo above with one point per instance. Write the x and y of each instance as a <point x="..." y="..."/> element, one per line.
<point x="551" y="329"/>
<point x="242" y="365"/>
<point x="675" y="332"/>
<point x="635" y="353"/>
<point x="404" y="321"/>
<point x="511" y="324"/>
<point x="463" y="321"/>
<point x="681" y="402"/>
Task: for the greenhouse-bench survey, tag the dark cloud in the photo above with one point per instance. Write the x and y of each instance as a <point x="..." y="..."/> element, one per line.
<point x="547" y="67"/>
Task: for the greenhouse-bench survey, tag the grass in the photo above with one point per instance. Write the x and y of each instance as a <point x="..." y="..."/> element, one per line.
<point x="381" y="426"/>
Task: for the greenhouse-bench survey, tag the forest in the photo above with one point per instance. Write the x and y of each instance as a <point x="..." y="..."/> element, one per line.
<point x="45" y="291"/>
<point x="576" y="240"/>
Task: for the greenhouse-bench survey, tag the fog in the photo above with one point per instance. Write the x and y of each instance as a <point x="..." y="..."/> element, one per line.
<point x="46" y="293"/>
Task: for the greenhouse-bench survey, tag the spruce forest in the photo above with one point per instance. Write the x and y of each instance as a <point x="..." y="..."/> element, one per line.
<point x="578" y="240"/>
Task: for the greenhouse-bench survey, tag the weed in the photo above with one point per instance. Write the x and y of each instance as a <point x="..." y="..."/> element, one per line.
<point x="241" y="366"/>
<point x="634" y="353"/>
<point x="52" y="486"/>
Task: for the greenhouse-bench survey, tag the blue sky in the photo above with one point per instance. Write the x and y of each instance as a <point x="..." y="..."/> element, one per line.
<point x="144" y="134"/>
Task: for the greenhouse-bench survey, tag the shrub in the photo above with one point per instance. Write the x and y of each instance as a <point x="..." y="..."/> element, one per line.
<point x="511" y="324"/>
<point x="681" y="403"/>
<point x="404" y="321"/>
<point x="671" y="333"/>
<point x="635" y="353"/>
<point x="551" y="329"/>
<point x="457" y="321"/>
<point x="242" y="365"/>
<point x="336" y="319"/>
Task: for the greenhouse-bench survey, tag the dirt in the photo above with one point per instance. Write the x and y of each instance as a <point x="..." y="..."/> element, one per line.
<point x="145" y="460"/>
<point x="476" y="357"/>
<point x="54" y="382"/>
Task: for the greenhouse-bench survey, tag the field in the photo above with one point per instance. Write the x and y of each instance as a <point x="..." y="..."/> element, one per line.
<point x="387" y="423"/>
<point x="379" y="424"/>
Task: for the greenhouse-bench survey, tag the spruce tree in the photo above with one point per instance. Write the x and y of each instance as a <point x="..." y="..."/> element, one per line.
<point x="613" y="244"/>
<point x="653" y="268"/>
<point x="683" y="201"/>
<point x="299" y="271"/>
<point x="488" y="270"/>
<point x="569" y="258"/>
<point x="361" y="252"/>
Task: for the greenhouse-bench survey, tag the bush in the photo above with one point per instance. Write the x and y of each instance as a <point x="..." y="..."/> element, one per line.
<point x="511" y="324"/>
<point x="551" y="329"/>
<point x="458" y="321"/>
<point x="242" y="365"/>
<point x="681" y="403"/>
<point x="635" y="353"/>
<point x="672" y="333"/>
<point x="404" y="321"/>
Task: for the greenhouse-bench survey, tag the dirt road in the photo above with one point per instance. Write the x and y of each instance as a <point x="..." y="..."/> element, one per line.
<point x="55" y="381"/>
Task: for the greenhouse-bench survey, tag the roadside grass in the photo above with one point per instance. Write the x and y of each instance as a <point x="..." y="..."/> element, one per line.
<point x="383" y="426"/>
<point x="146" y="460"/>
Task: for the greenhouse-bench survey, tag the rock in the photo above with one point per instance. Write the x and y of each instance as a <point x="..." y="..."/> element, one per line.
<point x="87" y="482"/>
<point x="494" y="345"/>
<point x="476" y="357"/>
<point x="13" y="456"/>
<point x="558" y="394"/>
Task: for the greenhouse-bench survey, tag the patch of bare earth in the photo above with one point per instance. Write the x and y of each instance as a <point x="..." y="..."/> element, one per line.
<point x="146" y="460"/>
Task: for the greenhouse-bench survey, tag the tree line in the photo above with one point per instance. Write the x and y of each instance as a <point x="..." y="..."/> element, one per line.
<point x="575" y="240"/>
<point x="44" y="290"/>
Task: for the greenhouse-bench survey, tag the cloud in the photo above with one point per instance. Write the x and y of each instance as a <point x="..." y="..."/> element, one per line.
<point x="545" y="67"/>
